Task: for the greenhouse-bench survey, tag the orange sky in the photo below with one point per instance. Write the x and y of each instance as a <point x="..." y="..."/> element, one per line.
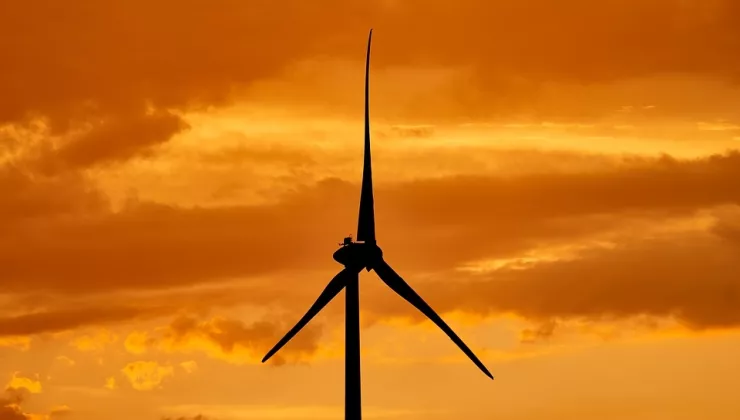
<point x="559" y="179"/>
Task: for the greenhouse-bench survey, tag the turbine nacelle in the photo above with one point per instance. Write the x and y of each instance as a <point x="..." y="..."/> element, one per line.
<point x="358" y="255"/>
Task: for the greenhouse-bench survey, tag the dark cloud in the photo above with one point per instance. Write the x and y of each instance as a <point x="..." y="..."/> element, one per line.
<point x="10" y="407"/>
<point x="62" y="239"/>
<point x="12" y="412"/>
<point x="115" y="76"/>
<point x="115" y="140"/>
<point x="68" y="319"/>
<point x="109" y="65"/>
<point x="227" y="334"/>
<point x="40" y="313"/>
<point x="426" y="225"/>
<point x="691" y="277"/>
<point x="28" y="195"/>
<point x="10" y="404"/>
<point x="114" y="61"/>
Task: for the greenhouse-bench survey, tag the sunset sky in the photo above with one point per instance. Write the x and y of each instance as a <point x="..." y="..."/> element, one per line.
<point x="560" y="180"/>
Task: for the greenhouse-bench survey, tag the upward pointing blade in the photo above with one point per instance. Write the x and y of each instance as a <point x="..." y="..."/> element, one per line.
<point x="332" y="289"/>
<point x="395" y="282"/>
<point x="366" y="222"/>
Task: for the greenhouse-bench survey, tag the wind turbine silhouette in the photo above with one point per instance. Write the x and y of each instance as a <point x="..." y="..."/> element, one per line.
<point x="356" y="256"/>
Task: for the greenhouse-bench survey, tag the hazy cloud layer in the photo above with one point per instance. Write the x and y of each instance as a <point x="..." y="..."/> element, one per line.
<point x="688" y="276"/>
<point x="430" y="225"/>
<point x="227" y="339"/>
<point x="149" y="58"/>
<point x="426" y="226"/>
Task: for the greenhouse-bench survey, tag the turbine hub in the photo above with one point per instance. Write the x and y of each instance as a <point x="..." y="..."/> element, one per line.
<point x="358" y="255"/>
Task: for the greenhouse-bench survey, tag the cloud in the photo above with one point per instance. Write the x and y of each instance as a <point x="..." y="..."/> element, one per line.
<point x="126" y="82"/>
<point x="66" y="360"/>
<point x="428" y="224"/>
<point x="110" y="383"/>
<point x="689" y="277"/>
<point x="12" y="412"/>
<point x="42" y="313"/>
<point x="51" y="313"/>
<point x="167" y="55"/>
<point x="543" y="332"/>
<point x="190" y="366"/>
<point x="138" y="342"/>
<point x="227" y="339"/>
<point x="146" y="375"/>
<point x="99" y="341"/>
<point x="23" y="383"/>
<point x="114" y="141"/>
<point x="19" y="342"/>
<point x="30" y="196"/>
<point x="10" y="407"/>
<point x="58" y="320"/>
<point x="10" y="403"/>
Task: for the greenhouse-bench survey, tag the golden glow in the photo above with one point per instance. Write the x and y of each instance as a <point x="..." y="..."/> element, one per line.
<point x="146" y="375"/>
<point x="557" y="179"/>
<point x="18" y="382"/>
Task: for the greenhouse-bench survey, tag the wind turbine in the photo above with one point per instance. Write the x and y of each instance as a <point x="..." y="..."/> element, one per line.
<point x="356" y="256"/>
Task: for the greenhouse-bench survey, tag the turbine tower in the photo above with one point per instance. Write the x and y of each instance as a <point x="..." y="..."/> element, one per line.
<point x="356" y="256"/>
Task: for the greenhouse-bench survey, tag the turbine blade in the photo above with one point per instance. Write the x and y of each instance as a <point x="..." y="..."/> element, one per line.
<point x="332" y="289"/>
<point x="395" y="282"/>
<point x="366" y="222"/>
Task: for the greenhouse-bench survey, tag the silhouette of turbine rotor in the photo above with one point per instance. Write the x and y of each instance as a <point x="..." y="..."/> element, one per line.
<point x="361" y="254"/>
